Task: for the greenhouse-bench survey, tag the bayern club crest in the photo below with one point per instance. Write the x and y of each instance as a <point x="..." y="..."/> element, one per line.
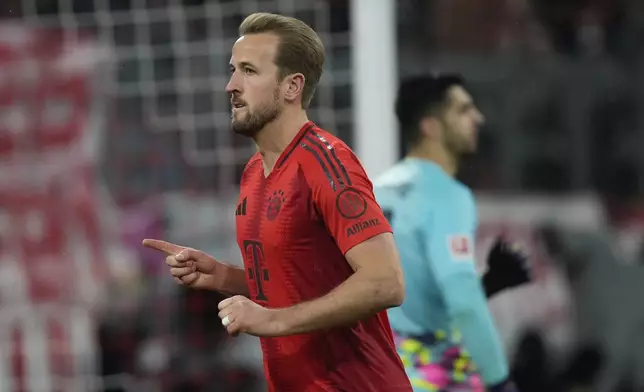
<point x="275" y="205"/>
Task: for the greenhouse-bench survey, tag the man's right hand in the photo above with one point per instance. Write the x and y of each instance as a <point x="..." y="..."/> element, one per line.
<point x="190" y="267"/>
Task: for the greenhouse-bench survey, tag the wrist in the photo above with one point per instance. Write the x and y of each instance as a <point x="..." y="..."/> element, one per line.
<point x="223" y="278"/>
<point x="280" y="321"/>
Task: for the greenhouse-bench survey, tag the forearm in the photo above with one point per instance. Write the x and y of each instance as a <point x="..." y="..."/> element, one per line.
<point x="357" y="298"/>
<point x="468" y="308"/>
<point x="232" y="282"/>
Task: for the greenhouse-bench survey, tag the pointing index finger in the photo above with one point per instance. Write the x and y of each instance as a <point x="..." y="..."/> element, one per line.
<point x="163" y="246"/>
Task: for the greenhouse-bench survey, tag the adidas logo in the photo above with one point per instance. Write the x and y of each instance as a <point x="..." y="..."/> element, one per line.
<point x="241" y="208"/>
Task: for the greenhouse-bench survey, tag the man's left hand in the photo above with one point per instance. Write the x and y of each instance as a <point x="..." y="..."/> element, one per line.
<point x="508" y="267"/>
<point x="240" y="314"/>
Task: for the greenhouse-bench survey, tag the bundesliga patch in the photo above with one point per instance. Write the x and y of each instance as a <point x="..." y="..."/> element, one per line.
<point x="461" y="247"/>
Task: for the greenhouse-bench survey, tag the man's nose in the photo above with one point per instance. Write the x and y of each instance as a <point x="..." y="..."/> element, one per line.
<point x="232" y="85"/>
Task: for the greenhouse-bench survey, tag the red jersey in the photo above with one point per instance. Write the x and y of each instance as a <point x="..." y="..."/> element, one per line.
<point x="293" y="228"/>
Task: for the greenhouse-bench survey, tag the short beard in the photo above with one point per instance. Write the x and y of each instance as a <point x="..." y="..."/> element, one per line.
<point x="453" y="144"/>
<point x="256" y="120"/>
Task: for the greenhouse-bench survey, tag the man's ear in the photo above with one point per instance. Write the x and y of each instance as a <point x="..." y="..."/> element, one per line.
<point x="294" y="87"/>
<point x="429" y="128"/>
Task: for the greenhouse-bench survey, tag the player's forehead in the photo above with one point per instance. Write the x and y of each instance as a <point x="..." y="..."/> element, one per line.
<point x="458" y="96"/>
<point x="255" y="49"/>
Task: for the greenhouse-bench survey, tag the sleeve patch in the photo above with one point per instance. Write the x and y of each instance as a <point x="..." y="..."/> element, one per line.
<point x="351" y="204"/>
<point x="461" y="247"/>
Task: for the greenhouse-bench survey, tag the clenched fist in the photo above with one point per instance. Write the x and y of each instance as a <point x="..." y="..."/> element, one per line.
<point x="240" y="314"/>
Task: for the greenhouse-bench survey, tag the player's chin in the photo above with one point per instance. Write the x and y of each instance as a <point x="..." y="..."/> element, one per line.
<point x="467" y="150"/>
<point x="241" y="128"/>
<point x="470" y="147"/>
<point x="238" y="116"/>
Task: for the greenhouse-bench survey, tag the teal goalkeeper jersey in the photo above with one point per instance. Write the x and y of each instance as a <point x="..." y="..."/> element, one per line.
<point x="434" y="221"/>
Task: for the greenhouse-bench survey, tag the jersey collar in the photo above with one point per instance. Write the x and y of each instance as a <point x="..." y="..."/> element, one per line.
<point x="294" y="143"/>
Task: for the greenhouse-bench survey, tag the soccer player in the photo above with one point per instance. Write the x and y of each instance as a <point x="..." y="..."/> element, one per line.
<point x="320" y="262"/>
<point x="434" y="220"/>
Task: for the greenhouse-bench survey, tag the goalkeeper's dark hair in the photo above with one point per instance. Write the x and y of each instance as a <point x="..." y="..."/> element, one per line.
<point x="420" y="97"/>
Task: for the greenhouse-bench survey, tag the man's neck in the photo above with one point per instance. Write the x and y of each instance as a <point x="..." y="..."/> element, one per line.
<point x="439" y="155"/>
<point x="273" y="139"/>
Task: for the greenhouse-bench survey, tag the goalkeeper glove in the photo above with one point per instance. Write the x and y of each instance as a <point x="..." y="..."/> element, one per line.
<point x="507" y="267"/>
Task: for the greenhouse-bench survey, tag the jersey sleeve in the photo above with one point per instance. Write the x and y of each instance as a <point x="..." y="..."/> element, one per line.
<point x="343" y="197"/>
<point x="449" y="238"/>
<point x="450" y="246"/>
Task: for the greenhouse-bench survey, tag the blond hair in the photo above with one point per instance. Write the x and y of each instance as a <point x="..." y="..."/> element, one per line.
<point x="300" y="49"/>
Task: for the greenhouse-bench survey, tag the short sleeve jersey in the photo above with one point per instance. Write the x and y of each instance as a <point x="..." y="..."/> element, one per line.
<point x="294" y="227"/>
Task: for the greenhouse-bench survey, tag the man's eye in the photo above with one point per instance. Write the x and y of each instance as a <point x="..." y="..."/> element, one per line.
<point x="249" y="71"/>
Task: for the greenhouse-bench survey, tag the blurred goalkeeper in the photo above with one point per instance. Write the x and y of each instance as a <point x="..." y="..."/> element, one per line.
<point x="444" y="328"/>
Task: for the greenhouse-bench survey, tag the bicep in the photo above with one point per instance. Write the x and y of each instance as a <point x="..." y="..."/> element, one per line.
<point x="449" y="243"/>
<point x="377" y="262"/>
<point x="376" y="253"/>
<point x="451" y="259"/>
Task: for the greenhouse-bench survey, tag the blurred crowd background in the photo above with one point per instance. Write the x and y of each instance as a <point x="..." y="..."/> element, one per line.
<point x="114" y="126"/>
